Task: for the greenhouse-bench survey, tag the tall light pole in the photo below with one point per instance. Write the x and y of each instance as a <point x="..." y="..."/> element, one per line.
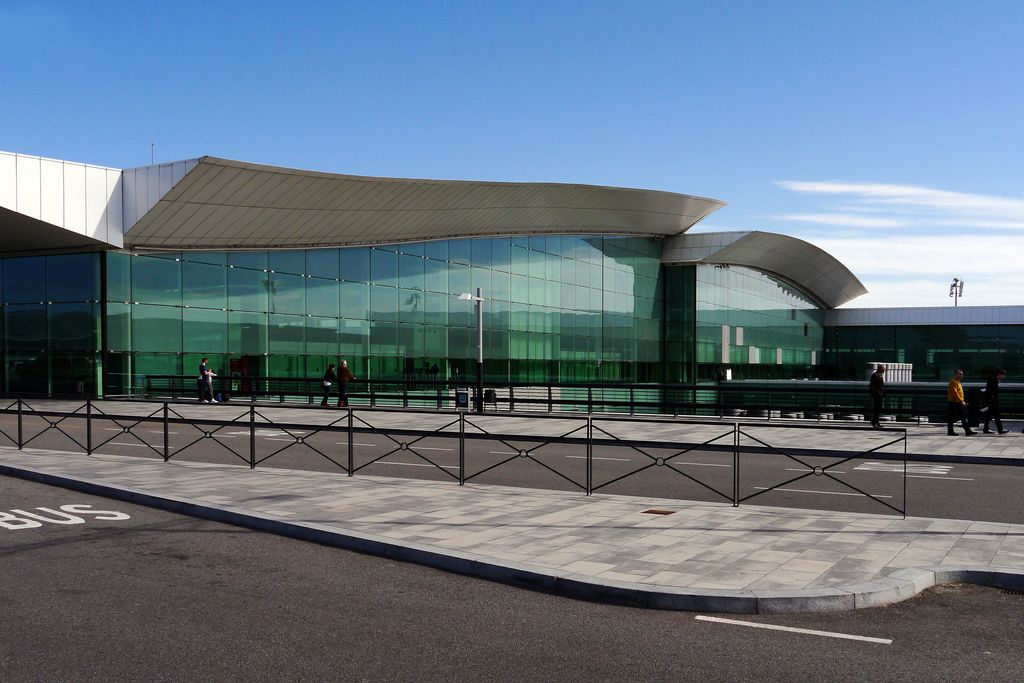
<point x="479" y="299"/>
<point x="956" y="290"/>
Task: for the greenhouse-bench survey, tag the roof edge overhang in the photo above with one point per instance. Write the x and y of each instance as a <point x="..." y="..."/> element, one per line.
<point x="225" y="204"/>
<point x="810" y="268"/>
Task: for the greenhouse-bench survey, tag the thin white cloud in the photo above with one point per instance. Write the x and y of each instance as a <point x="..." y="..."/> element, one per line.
<point x="845" y="220"/>
<point x="915" y="205"/>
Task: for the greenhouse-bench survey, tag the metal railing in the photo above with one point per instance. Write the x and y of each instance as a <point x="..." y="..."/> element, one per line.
<point x="785" y="400"/>
<point x="739" y="443"/>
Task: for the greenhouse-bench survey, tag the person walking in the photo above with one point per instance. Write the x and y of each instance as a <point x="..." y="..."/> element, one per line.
<point x="344" y="375"/>
<point x="992" y="398"/>
<point x="877" y="388"/>
<point x="206" y="376"/>
<point x="956" y="406"/>
<point x="330" y="377"/>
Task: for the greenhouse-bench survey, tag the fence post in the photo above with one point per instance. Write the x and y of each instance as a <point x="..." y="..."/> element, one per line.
<point x="511" y="399"/>
<point x="549" y="398"/>
<point x="590" y="400"/>
<point x="88" y="426"/>
<point x="252" y="437"/>
<point x="590" y="454"/>
<point x="351" y="442"/>
<point x="20" y="439"/>
<point x="167" y="445"/>
<point x="462" y="448"/>
<point x="632" y="400"/>
<point x="735" y="464"/>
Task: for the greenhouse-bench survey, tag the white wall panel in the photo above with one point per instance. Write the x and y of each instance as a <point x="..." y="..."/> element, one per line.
<point x="177" y="172"/>
<point x="166" y="179"/>
<point x="115" y="203"/>
<point x="128" y="215"/>
<point x="152" y="186"/>
<point x="51" y="186"/>
<point x="8" y="181"/>
<point x="74" y="198"/>
<point x="95" y="202"/>
<point x="28" y="186"/>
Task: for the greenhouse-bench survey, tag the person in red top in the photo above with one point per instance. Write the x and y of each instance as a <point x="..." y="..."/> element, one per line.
<point x="344" y="375"/>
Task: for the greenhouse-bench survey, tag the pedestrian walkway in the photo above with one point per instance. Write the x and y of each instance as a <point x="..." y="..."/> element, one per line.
<point x="650" y="552"/>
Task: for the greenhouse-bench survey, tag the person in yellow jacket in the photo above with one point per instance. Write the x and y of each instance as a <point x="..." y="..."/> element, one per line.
<point x="956" y="406"/>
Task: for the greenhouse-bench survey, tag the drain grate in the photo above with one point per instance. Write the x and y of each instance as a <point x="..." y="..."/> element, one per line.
<point x="658" y="511"/>
<point x="1010" y="591"/>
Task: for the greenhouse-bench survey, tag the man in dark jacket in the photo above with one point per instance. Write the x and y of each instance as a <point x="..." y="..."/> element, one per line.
<point x="992" y="398"/>
<point x="330" y="377"/>
<point x="877" y="388"/>
<point x="344" y="375"/>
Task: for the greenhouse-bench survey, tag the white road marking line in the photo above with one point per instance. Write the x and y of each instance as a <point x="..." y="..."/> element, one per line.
<point x="428" y="448"/>
<point x="828" y="493"/>
<point x="340" y="443"/>
<point x="583" y="457"/>
<point x="698" y="464"/>
<point x="791" y="629"/>
<point x="133" y="445"/>
<point x="925" y="476"/>
<point x="156" y="432"/>
<point x="898" y="468"/>
<point x="415" y="464"/>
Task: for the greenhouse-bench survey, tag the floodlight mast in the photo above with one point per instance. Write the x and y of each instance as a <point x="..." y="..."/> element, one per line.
<point x="956" y="290"/>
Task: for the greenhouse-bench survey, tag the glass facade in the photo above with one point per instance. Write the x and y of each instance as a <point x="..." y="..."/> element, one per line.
<point x="936" y="351"/>
<point x="557" y="308"/>
<point x="50" y="324"/>
<point x="754" y="325"/>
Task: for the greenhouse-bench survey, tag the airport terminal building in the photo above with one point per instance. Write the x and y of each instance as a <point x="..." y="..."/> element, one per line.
<point x="109" y="275"/>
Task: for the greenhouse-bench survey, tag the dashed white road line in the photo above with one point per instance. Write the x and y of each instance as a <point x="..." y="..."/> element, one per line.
<point x="792" y="629"/>
<point x="415" y="464"/>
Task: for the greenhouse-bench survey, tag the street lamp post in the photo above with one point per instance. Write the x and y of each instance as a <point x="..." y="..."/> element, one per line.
<point x="479" y="299"/>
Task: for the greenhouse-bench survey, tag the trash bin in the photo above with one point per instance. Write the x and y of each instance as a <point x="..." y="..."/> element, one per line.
<point x="461" y="399"/>
<point x="974" y="395"/>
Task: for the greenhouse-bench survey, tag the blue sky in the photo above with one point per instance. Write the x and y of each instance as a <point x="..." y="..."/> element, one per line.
<point x="889" y="133"/>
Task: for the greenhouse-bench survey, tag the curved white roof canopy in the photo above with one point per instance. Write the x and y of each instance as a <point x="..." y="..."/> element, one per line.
<point x="220" y="204"/>
<point x="813" y="270"/>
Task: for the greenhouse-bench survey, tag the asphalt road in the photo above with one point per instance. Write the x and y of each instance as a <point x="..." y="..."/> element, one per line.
<point x="160" y="597"/>
<point x="946" y="490"/>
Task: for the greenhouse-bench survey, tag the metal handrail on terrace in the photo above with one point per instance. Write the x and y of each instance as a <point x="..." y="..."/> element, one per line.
<point x="590" y="431"/>
<point x="798" y="400"/>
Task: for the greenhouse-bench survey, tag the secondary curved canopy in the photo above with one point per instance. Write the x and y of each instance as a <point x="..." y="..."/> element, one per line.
<point x="812" y="269"/>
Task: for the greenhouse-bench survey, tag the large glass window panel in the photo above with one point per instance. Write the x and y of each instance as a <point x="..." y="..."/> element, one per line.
<point x="119" y="327"/>
<point x="480" y="253"/>
<point x="287" y="293"/>
<point x="480" y="278"/>
<point x="247" y="289"/>
<point x="520" y="264"/>
<point x="383" y="303"/>
<point x="205" y="331"/>
<point x="436" y="276"/>
<point x="322" y="297"/>
<point x="355" y="339"/>
<point x="288" y="261"/>
<point x="411" y="306"/>
<point x="520" y="288"/>
<point x="25" y="327"/>
<point x="538" y="259"/>
<point x="215" y="258"/>
<point x="256" y="260"/>
<point x="436" y="249"/>
<point x="287" y="334"/>
<point x="355" y="300"/>
<point x="322" y="337"/>
<point x="156" y="328"/>
<point x="410" y="271"/>
<point x="204" y="286"/>
<point x="355" y="264"/>
<point x="145" y="364"/>
<point x="459" y="251"/>
<point x="384" y="267"/>
<point x="323" y="263"/>
<point x="501" y="254"/>
<point x="74" y="327"/>
<point x="247" y="333"/>
<point x="458" y="279"/>
<point x="119" y="276"/>
<point x="436" y="308"/>
<point x="24" y="280"/>
<point x="156" y="280"/>
<point x="73" y="277"/>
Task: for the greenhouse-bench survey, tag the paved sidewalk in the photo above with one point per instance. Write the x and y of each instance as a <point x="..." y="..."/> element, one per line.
<point x="702" y="556"/>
